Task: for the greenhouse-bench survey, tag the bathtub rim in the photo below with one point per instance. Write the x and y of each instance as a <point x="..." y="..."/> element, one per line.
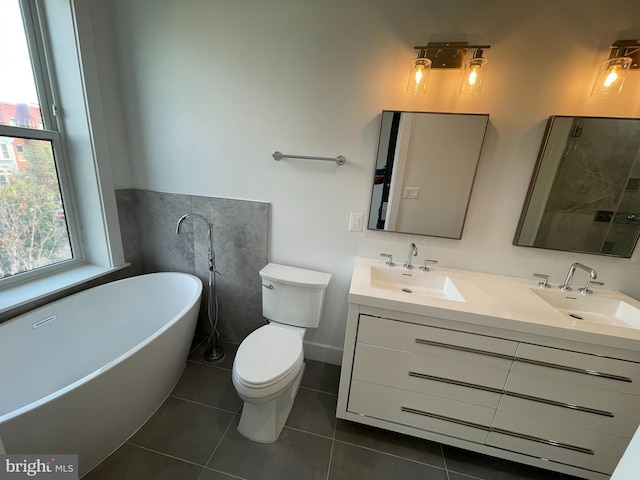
<point x="86" y="378"/>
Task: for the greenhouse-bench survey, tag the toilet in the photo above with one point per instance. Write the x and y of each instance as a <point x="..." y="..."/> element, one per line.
<point x="269" y="363"/>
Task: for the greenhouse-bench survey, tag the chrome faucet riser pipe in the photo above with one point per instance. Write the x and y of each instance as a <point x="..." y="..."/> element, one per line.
<point x="413" y="252"/>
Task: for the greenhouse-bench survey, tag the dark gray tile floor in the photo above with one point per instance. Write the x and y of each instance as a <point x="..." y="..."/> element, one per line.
<point x="193" y="436"/>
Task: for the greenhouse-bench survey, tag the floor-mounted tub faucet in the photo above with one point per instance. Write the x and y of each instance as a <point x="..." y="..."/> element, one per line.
<point x="214" y="351"/>
<point x="413" y="251"/>
<point x="566" y="286"/>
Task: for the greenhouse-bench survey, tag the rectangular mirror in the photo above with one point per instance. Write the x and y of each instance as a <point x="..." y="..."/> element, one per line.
<point x="425" y="168"/>
<point x="584" y="194"/>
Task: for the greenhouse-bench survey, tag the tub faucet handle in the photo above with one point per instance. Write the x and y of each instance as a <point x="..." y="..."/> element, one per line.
<point x="389" y="262"/>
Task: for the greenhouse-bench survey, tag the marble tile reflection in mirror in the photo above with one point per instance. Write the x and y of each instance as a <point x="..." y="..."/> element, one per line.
<point x="425" y="168"/>
<point x="584" y="194"/>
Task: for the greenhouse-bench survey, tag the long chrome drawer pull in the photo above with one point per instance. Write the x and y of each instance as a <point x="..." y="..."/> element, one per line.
<point x="463" y="349"/>
<point x="578" y="408"/>
<point x="610" y="376"/>
<point x="445" y="418"/>
<point x="522" y="396"/>
<point x="553" y="443"/>
<point x="450" y="381"/>
<point x="531" y="438"/>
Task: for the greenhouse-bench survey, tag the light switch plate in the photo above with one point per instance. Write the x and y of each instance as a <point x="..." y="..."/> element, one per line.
<point x="412" y="192"/>
<point x="356" y="221"/>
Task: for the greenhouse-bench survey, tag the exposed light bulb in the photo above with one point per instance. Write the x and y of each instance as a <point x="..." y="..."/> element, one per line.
<point x="419" y="74"/>
<point x="473" y="76"/>
<point x="612" y="77"/>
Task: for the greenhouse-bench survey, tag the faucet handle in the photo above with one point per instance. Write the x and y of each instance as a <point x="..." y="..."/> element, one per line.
<point x="425" y="267"/>
<point x="545" y="280"/>
<point x="388" y="263"/>
<point x="586" y="290"/>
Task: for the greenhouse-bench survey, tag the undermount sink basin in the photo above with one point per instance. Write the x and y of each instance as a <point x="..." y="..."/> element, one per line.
<point x="592" y="308"/>
<point x="415" y="282"/>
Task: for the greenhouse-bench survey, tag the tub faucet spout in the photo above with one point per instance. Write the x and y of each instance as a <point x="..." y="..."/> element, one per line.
<point x="211" y="255"/>
<point x="413" y="251"/>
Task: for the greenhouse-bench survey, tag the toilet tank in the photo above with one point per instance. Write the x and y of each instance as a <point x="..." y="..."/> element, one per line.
<point x="293" y="296"/>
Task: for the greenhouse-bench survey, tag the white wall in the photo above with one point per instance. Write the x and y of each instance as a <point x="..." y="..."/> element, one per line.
<point x="212" y="88"/>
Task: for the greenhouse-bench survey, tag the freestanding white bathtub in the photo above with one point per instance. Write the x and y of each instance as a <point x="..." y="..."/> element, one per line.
<point x="82" y="374"/>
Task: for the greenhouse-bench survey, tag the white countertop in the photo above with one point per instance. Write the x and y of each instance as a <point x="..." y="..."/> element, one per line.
<point x="494" y="301"/>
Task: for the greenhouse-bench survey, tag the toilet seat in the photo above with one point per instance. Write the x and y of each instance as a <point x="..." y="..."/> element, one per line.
<point x="268" y="356"/>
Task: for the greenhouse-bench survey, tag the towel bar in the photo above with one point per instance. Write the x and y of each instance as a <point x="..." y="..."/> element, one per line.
<point x="339" y="159"/>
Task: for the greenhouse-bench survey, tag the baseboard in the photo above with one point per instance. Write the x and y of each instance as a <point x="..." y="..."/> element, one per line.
<point x="323" y="353"/>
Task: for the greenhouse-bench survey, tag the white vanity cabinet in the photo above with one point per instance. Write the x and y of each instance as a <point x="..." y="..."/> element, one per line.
<point x="569" y="407"/>
<point x="431" y="378"/>
<point x="542" y="401"/>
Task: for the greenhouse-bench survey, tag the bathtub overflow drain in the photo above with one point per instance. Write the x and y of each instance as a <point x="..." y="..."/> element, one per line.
<point x="407" y="290"/>
<point x="575" y="315"/>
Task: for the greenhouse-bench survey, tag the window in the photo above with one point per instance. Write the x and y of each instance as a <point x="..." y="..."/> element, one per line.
<point x="4" y="152"/>
<point x="35" y="233"/>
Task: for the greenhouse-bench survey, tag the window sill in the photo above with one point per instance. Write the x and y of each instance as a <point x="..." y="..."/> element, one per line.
<point x="33" y="291"/>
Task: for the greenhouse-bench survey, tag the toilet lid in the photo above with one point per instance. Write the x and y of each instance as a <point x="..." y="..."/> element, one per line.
<point x="268" y="354"/>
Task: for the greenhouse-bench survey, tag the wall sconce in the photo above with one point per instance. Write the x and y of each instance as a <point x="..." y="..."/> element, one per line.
<point x="474" y="71"/>
<point x="419" y="74"/>
<point x="448" y="55"/>
<point x="624" y="56"/>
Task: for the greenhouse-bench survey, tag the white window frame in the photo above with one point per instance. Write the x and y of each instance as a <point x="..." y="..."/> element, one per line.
<point x="45" y="88"/>
<point x="85" y="173"/>
<point x="5" y="153"/>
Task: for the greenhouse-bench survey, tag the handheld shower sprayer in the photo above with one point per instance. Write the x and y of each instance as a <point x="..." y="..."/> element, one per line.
<point x="215" y="351"/>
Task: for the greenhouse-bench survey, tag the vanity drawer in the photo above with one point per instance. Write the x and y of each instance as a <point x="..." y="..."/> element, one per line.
<point x="572" y="404"/>
<point x="560" y="443"/>
<point x="476" y="384"/>
<point x="580" y="368"/>
<point x="434" y="341"/>
<point x="425" y="412"/>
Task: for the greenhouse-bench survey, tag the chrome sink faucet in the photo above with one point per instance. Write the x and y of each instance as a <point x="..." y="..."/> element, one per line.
<point x="413" y="252"/>
<point x="566" y="286"/>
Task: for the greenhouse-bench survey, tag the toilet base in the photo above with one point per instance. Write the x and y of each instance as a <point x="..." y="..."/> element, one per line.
<point x="263" y="422"/>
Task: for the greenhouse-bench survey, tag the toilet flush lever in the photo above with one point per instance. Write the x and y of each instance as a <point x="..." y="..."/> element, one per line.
<point x="267" y="285"/>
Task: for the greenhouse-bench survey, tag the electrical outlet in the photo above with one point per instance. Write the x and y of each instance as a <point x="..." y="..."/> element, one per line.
<point x="356" y="221"/>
